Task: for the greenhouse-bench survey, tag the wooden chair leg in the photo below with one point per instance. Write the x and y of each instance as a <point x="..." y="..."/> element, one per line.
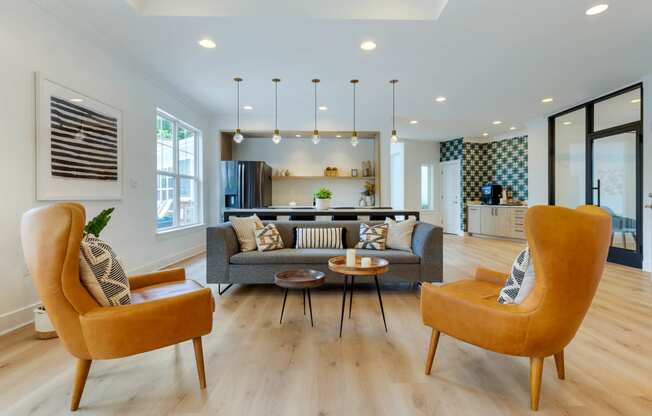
<point x="536" y="369"/>
<point x="559" y="362"/>
<point x="199" y="358"/>
<point x="81" y="373"/>
<point x="434" y="340"/>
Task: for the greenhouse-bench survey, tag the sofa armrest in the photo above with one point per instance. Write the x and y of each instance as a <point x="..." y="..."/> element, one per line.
<point x="221" y="244"/>
<point x="491" y="276"/>
<point x="428" y="244"/>
<point x="154" y="278"/>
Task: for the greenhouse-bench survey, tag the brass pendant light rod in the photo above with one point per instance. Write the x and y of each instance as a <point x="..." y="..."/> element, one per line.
<point x="394" y="137"/>
<point x="315" y="132"/>
<point x="354" y="136"/>
<point x="276" y="138"/>
<point x="237" y="137"/>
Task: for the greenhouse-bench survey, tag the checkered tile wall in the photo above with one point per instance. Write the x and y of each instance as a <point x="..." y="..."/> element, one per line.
<point x="504" y="161"/>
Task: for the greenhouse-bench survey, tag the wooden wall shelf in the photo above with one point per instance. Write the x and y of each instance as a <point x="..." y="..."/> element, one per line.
<point x="359" y="178"/>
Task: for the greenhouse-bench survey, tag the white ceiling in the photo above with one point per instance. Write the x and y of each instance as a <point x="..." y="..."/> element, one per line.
<point x="493" y="60"/>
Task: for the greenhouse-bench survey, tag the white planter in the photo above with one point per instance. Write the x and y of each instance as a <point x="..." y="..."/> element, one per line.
<point x="43" y="325"/>
<point x="322" y="203"/>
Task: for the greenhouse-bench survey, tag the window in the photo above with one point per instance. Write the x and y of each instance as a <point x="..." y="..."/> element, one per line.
<point x="427" y="186"/>
<point x="178" y="182"/>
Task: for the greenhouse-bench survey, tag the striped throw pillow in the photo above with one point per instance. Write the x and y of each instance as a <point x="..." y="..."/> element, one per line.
<point x="102" y="274"/>
<point x="318" y="237"/>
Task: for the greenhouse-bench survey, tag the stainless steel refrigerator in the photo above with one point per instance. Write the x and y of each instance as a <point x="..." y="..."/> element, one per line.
<point x="246" y="184"/>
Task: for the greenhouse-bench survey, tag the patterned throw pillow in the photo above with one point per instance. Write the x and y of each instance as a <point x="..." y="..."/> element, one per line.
<point x="319" y="237"/>
<point x="520" y="282"/>
<point x="373" y="237"/>
<point x="102" y="274"/>
<point x="268" y="238"/>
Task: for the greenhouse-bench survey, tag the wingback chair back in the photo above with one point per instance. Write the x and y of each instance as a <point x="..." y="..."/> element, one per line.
<point x="51" y="237"/>
<point x="569" y="248"/>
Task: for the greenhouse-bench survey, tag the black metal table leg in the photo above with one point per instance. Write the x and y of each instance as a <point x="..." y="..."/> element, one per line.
<point x="310" y="306"/>
<point x="351" y="296"/>
<point x="219" y="288"/>
<point x="283" y="308"/>
<point x="304" y="301"/>
<point x="346" y="282"/>
<point x="380" y="300"/>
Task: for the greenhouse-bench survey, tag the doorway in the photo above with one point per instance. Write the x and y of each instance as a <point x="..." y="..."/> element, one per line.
<point x="596" y="158"/>
<point x="451" y="190"/>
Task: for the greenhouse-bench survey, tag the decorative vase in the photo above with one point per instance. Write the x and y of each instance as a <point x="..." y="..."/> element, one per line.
<point x="322" y="203"/>
<point x="370" y="200"/>
<point x="42" y="324"/>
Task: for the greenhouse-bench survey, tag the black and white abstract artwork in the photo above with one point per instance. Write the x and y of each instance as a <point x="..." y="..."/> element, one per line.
<point x="84" y="142"/>
<point x="79" y="145"/>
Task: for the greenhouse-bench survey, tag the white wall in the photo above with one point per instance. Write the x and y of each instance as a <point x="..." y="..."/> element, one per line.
<point x="537" y="172"/>
<point x="30" y="41"/>
<point x="303" y="158"/>
<point x="416" y="153"/>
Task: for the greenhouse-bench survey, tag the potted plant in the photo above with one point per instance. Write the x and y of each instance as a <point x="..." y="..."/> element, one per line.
<point x="42" y="324"/>
<point x="369" y="193"/>
<point x="323" y="198"/>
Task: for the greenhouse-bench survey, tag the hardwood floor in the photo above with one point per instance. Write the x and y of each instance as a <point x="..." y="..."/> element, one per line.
<point x="254" y="366"/>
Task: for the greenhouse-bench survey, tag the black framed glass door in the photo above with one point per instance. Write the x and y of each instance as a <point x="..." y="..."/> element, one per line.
<point x="615" y="184"/>
<point x="595" y="157"/>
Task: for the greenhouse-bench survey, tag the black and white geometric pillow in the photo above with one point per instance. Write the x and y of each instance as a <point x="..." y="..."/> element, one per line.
<point x="373" y="237"/>
<point x="102" y="274"/>
<point x="268" y="238"/>
<point x="520" y="282"/>
<point x="331" y="237"/>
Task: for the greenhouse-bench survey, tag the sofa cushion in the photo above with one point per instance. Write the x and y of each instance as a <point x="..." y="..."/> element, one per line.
<point x="316" y="256"/>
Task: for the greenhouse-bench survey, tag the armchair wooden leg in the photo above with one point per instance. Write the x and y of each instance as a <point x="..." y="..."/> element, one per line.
<point x="559" y="362"/>
<point x="199" y="358"/>
<point x="83" y="366"/>
<point x="434" y="340"/>
<point x="536" y="369"/>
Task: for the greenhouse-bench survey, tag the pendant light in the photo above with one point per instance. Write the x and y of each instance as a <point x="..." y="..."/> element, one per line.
<point x="276" y="138"/>
<point x="238" y="137"/>
<point x="315" y="132"/>
<point x="394" y="138"/>
<point x="354" y="136"/>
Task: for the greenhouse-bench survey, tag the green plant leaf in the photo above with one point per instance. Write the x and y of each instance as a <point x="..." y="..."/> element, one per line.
<point x="97" y="224"/>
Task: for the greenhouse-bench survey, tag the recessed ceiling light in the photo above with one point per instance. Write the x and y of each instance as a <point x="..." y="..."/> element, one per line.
<point x="634" y="101"/>
<point x="597" y="9"/>
<point x="338" y="135"/>
<point x="297" y="135"/>
<point x="547" y="100"/>
<point x="567" y="123"/>
<point x="497" y="122"/>
<point x="323" y="108"/>
<point x="76" y="100"/>
<point x="485" y="134"/>
<point x="440" y="99"/>
<point x="207" y="43"/>
<point x="512" y="128"/>
<point x="414" y="121"/>
<point x="368" y="45"/>
<point x="247" y="107"/>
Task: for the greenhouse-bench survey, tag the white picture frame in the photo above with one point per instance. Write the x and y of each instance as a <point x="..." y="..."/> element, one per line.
<point x="79" y="144"/>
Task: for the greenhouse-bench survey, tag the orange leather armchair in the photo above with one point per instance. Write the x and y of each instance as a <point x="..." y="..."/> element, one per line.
<point x="166" y="309"/>
<point x="569" y="249"/>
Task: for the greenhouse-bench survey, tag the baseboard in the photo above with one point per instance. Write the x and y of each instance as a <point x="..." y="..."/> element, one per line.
<point x="12" y="320"/>
<point x="169" y="260"/>
<point x="647" y="266"/>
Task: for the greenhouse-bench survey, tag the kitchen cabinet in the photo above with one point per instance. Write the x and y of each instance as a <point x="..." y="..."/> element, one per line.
<point x="505" y="221"/>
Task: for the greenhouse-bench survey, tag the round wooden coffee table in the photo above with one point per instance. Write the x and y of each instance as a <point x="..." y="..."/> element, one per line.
<point x="378" y="266"/>
<point x="299" y="279"/>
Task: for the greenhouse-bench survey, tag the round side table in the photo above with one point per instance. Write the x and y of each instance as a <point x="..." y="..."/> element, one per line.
<point x="378" y="267"/>
<point x="299" y="279"/>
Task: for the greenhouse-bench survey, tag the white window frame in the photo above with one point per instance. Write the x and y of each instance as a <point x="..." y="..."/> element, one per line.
<point x="431" y="188"/>
<point x="176" y="123"/>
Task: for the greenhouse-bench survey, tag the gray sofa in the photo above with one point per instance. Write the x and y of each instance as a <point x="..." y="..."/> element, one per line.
<point x="225" y="263"/>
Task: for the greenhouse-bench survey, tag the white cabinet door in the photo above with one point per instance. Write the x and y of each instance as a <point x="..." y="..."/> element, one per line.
<point x="488" y="222"/>
<point x="503" y="220"/>
<point x="475" y="220"/>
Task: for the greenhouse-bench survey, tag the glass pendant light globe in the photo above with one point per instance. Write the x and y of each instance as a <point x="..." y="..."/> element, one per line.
<point x="354" y="140"/>
<point x="238" y="137"/>
<point x="276" y="138"/>
<point x="316" y="138"/>
<point x="394" y="138"/>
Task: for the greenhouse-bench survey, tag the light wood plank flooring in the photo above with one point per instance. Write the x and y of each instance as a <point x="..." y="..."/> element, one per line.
<point x="257" y="367"/>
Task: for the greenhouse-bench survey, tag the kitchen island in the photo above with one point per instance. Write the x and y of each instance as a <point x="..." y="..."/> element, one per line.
<point x="313" y="214"/>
